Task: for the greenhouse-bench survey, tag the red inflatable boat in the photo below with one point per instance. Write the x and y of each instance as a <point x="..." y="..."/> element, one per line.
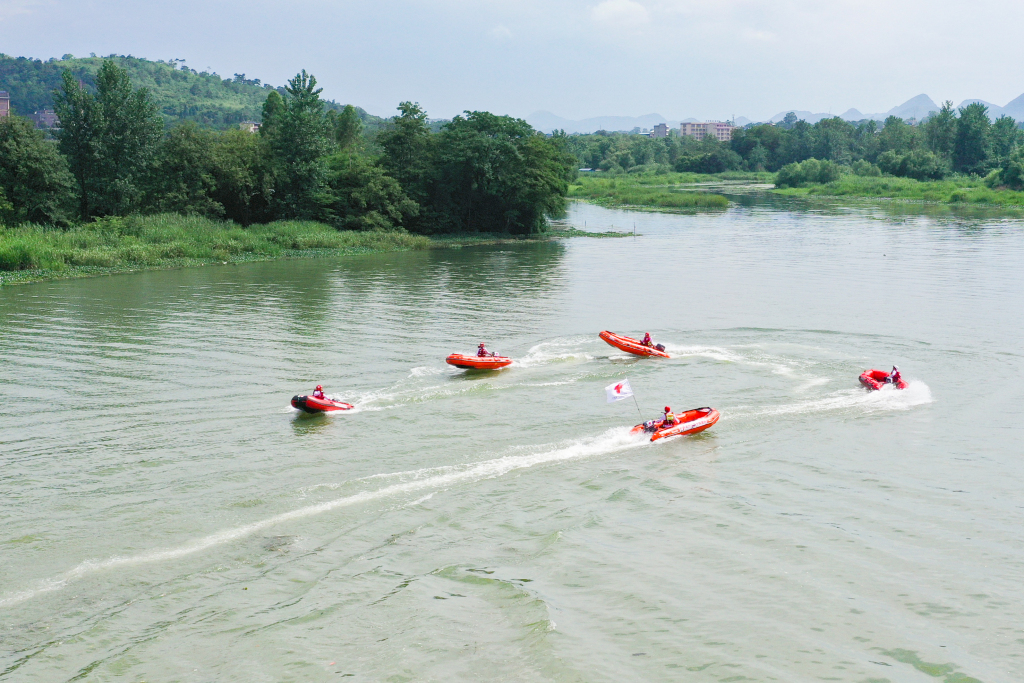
<point x="308" y="404"/>
<point x="689" y="422"/>
<point x="875" y="379"/>
<point x="477" y="362"/>
<point x="633" y="346"/>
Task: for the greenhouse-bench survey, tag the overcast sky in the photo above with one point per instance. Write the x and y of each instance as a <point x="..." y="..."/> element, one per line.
<point x="708" y="59"/>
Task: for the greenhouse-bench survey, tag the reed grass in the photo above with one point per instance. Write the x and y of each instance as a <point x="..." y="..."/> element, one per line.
<point x="954" y="190"/>
<point x="170" y="239"/>
<point x="640" y="191"/>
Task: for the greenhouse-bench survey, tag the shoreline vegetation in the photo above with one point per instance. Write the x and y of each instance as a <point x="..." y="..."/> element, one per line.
<point x="681" y="191"/>
<point x="109" y="246"/>
<point x="665" y="192"/>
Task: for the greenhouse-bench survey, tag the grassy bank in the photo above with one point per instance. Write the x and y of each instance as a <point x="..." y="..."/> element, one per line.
<point x="32" y="253"/>
<point x="659" y="192"/>
<point x="957" y="190"/>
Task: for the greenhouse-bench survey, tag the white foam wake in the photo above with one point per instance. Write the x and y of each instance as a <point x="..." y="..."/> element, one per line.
<point x="556" y="350"/>
<point x="888" y="398"/>
<point x="613" y="440"/>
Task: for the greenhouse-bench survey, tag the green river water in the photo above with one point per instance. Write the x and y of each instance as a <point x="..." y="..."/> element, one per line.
<point x="166" y="516"/>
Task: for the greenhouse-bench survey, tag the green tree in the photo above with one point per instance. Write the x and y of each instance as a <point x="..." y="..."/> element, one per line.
<point x="408" y="151"/>
<point x="497" y="174"/>
<point x="183" y="177"/>
<point x="896" y="136"/>
<point x="129" y="133"/>
<point x="347" y="127"/>
<point x="972" y="146"/>
<point x="1011" y="173"/>
<point x="34" y="178"/>
<point x="108" y="139"/>
<point x="832" y="139"/>
<point x="244" y="183"/>
<point x="919" y="164"/>
<point x="940" y="131"/>
<point x="78" y="136"/>
<point x="364" y="197"/>
<point x="300" y="138"/>
<point x="274" y="111"/>
<point x="1005" y="137"/>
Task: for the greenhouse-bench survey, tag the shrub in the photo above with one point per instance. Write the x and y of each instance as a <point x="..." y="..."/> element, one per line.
<point x="865" y="169"/>
<point x="918" y="164"/>
<point x="809" y="171"/>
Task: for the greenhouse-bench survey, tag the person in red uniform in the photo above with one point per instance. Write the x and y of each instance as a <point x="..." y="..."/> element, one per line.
<point x="481" y="351"/>
<point x="647" y="339"/>
<point x="894" y="376"/>
<point x="319" y="393"/>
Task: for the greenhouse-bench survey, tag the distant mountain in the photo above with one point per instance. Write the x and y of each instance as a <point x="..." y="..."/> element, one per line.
<point x="546" y="122"/>
<point x="1015" y="108"/>
<point x="915" y="108"/>
<point x="919" y="108"/>
<point x="180" y="93"/>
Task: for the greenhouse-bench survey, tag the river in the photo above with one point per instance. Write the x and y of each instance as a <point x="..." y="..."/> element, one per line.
<point x="166" y="516"/>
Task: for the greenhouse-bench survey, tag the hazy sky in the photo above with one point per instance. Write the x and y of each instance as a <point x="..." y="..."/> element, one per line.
<point x="576" y="58"/>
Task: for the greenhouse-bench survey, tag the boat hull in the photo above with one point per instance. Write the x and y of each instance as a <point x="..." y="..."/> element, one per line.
<point x="477" y="362"/>
<point x="309" y="404"/>
<point x="630" y="345"/>
<point x="690" y="422"/>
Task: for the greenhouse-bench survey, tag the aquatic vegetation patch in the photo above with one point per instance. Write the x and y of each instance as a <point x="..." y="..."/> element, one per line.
<point x="640" y="191"/>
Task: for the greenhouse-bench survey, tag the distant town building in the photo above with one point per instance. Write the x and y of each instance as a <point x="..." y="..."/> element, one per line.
<point x="47" y="118"/>
<point x="250" y="126"/>
<point x="5" y="103"/>
<point x="717" y="129"/>
<point x="660" y="131"/>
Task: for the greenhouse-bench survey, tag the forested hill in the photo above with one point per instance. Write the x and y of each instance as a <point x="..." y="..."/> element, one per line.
<point x="180" y="93"/>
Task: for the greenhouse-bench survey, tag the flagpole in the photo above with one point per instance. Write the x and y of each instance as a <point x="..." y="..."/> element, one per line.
<point x="638" y="408"/>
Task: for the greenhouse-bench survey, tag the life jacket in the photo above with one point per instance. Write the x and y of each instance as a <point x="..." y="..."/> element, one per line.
<point x="670" y="418"/>
<point x="481" y="352"/>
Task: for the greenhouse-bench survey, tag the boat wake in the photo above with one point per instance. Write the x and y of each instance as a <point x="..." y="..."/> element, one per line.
<point x="917" y="393"/>
<point x="424" y="480"/>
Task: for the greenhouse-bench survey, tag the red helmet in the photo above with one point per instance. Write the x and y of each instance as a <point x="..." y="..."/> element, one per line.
<point x="667" y="409"/>
<point x="480" y="344"/>
<point x="319" y="388"/>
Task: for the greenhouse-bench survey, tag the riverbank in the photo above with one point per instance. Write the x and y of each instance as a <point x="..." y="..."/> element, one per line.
<point x="957" y="190"/>
<point x="122" y="245"/>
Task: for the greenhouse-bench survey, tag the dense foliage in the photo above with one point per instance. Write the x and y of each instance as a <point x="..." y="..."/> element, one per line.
<point x="112" y="157"/>
<point x="178" y="92"/>
<point x="962" y="141"/>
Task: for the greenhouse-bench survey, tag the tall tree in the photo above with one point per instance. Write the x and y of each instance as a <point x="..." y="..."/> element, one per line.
<point x="407" y="145"/>
<point x="347" y="127"/>
<point x="896" y="136"/>
<point x="940" y="131"/>
<point x="1005" y="137"/>
<point x="242" y="173"/>
<point x="300" y="139"/>
<point x="78" y="136"/>
<point x="127" y="141"/>
<point x="183" y="175"/>
<point x="109" y="140"/>
<point x="34" y="177"/>
<point x="972" y="146"/>
<point x="497" y="174"/>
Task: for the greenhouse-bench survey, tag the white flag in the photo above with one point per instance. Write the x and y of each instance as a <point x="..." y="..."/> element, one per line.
<point x="618" y="391"/>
